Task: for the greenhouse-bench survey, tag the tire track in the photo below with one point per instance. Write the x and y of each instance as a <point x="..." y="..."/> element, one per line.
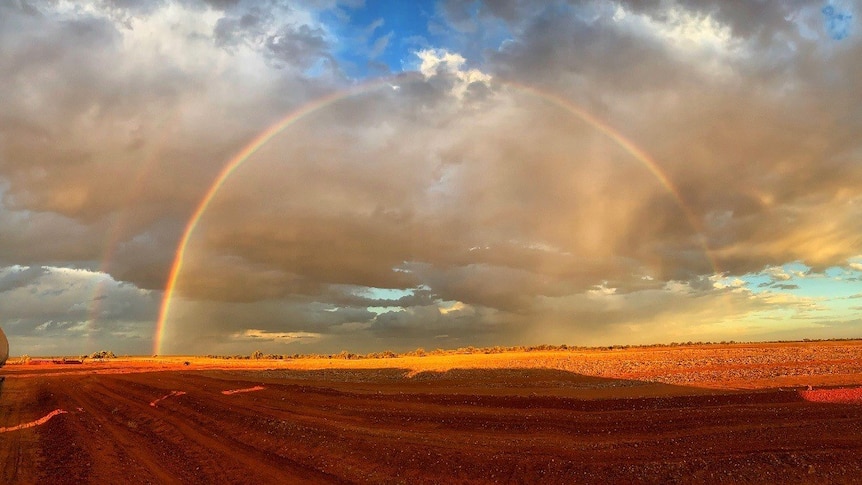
<point x="33" y="424"/>
<point x="239" y="391"/>
<point x="214" y="446"/>
<point x="170" y="394"/>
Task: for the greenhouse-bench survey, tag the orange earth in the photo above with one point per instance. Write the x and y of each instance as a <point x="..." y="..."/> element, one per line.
<point x="741" y="413"/>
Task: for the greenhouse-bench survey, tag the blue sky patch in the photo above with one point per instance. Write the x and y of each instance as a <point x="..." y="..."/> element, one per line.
<point x="379" y="37"/>
<point x="837" y="22"/>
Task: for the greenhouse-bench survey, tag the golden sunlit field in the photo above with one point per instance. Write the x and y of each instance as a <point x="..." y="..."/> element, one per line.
<point x="731" y="413"/>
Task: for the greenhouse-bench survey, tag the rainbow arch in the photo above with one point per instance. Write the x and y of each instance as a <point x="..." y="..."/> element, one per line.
<point x="320" y="103"/>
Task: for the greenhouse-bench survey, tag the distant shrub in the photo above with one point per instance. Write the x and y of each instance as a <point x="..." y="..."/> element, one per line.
<point x="345" y="355"/>
<point x="103" y="354"/>
<point x="420" y="352"/>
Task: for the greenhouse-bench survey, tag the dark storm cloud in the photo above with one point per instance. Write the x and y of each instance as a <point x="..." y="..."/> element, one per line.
<point x="17" y="278"/>
<point x="221" y="4"/>
<point x="54" y="311"/>
<point x="301" y="45"/>
<point x="106" y="131"/>
<point x="228" y="30"/>
<point x="425" y="322"/>
<point x="278" y="33"/>
<point x="342" y="223"/>
<point x="751" y="150"/>
<point x="785" y="287"/>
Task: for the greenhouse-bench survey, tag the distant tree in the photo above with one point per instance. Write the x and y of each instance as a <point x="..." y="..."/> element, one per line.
<point x="103" y="354"/>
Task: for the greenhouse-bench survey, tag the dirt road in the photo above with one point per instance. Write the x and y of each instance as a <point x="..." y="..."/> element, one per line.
<point x="378" y="426"/>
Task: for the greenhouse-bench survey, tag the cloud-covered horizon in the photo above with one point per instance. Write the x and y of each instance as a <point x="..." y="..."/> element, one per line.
<point x="578" y="172"/>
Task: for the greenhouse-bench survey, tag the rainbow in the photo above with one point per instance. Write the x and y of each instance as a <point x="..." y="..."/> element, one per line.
<point x="260" y="140"/>
<point x="623" y="142"/>
<point x="118" y="224"/>
<point x="639" y="154"/>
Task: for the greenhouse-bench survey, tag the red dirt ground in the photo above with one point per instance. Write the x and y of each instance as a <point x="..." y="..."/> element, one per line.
<point x="744" y="415"/>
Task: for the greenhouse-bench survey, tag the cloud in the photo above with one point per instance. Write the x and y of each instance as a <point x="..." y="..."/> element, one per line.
<point x="440" y="63"/>
<point x="380" y="45"/>
<point x="777" y="273"/>
<point x="301" y="45"/>
<point x="72" y="130"/>
<point x="260" y="335"/>
<point x="785" y="287"/>
<point x="17" y="276"/>
<point x="60" y="310"/>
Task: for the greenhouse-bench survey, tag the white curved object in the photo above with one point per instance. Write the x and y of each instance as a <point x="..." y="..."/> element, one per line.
<point x="4" y="348"/>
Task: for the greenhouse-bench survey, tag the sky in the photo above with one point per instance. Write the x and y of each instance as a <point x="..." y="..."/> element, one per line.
<point x="224" y="176"/>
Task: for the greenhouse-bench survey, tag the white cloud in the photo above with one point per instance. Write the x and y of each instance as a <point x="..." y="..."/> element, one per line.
<point x="602" y="290"/>
<point x="287" y="337"/>
<point x="695" y="37"/>
<point x="733" y="283"/>
<point x="436" y="61"/>
<point x="684" y="30"/>
<point x="777" y="273"/>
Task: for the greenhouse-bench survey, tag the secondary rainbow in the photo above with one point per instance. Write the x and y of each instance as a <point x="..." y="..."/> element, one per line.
<point x="120" y="222"/>
<point x="234" y="163"/>
<point x="260" y="140"/>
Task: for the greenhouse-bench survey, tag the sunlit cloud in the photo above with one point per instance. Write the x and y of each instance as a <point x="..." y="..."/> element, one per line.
<point x="260" y="335"/>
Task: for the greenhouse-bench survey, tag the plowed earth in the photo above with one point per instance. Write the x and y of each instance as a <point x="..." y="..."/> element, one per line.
<point x="168" y="423"/>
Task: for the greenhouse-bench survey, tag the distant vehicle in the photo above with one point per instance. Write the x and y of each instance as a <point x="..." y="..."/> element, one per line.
<point x="4" y="348"/>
